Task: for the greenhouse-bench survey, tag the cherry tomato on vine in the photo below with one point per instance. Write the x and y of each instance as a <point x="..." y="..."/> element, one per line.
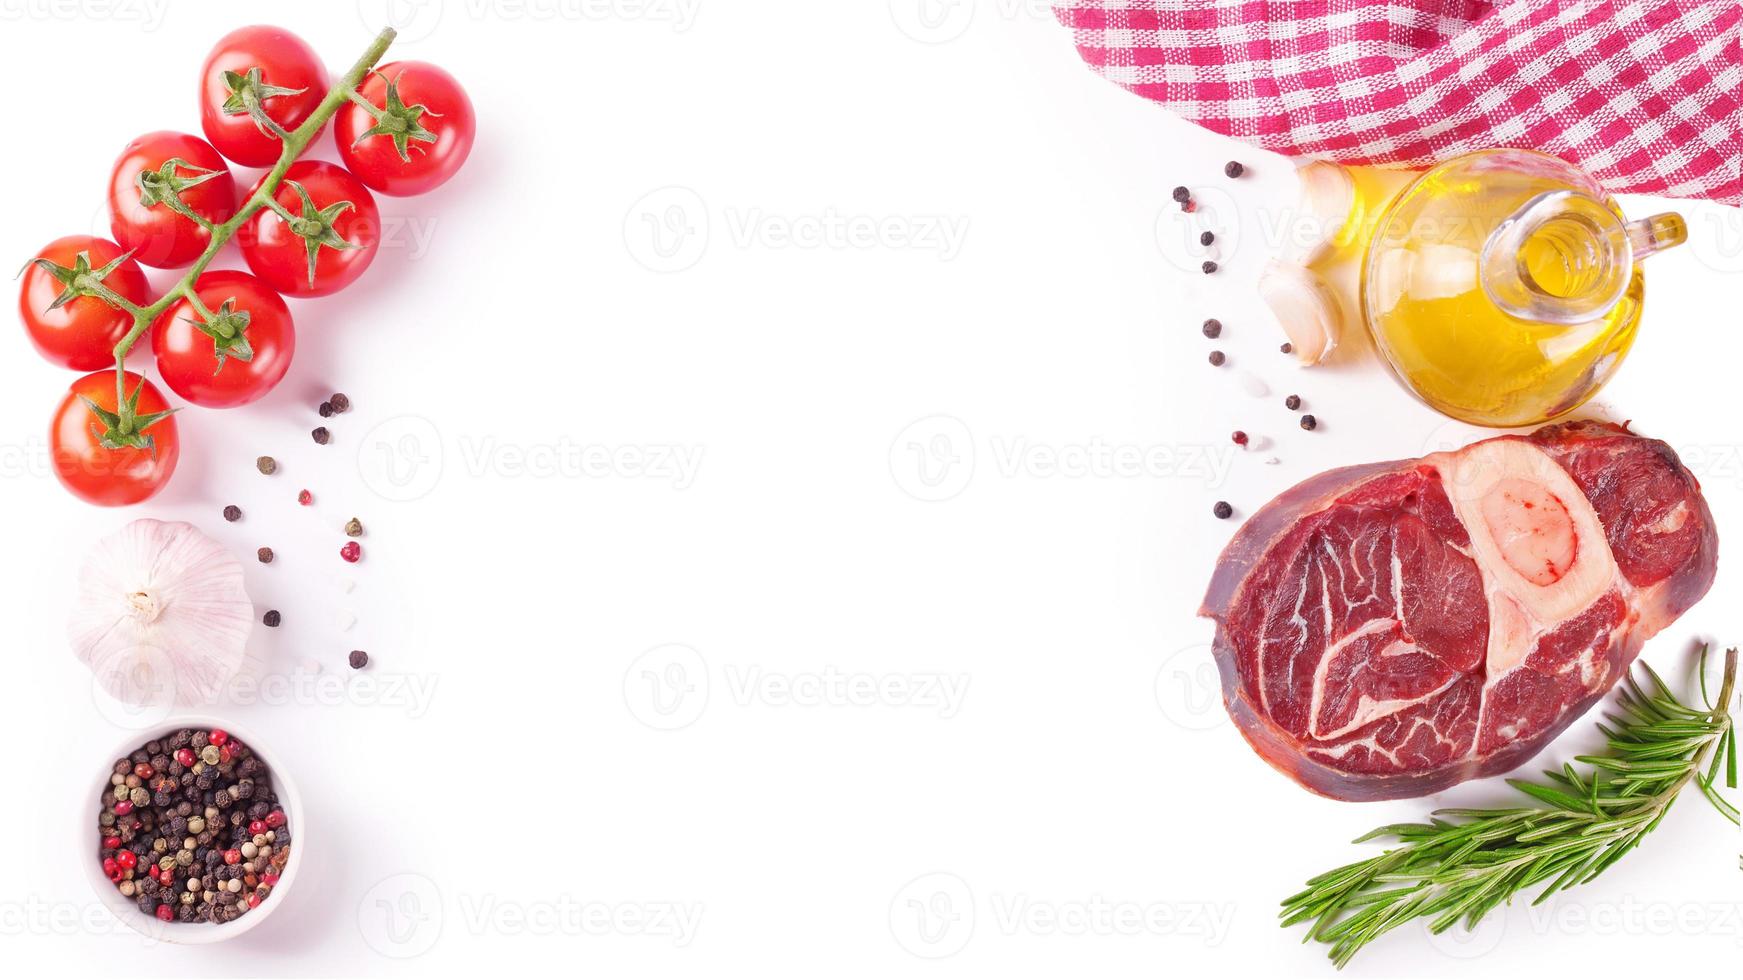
<point x="158" y="179"/>
<point x="129" y="470"/>
<point x="331" y="238"/>
<point x="256" y="74"/>
<point x="233" y="357"/>
<point x="58" y="302"/>
<point x="417" y="133"/>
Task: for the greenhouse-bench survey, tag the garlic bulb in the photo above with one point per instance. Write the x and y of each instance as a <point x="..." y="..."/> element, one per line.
<point x="1310" y="312"/>
<point x="1328" y="199"/>
<point x="161" y="613"/>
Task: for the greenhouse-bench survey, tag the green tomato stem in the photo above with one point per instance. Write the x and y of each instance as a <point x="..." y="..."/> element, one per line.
<point x="295" y="142"/>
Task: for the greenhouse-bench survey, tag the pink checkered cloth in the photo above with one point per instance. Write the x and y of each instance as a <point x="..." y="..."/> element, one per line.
<point x="1647" y="95"/>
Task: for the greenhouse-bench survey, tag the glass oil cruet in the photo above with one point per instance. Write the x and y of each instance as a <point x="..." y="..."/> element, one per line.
<point x="1503" y="287"/>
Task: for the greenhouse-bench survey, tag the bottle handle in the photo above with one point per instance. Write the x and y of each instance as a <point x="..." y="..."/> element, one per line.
<point x="1655" y="233"/>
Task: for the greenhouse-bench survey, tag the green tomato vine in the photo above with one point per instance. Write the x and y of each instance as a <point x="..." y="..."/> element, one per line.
<point x="124" y="427"/>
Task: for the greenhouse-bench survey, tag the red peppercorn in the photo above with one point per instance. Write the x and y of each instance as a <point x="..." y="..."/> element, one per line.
<point x="185" y="757"/>
<point x="110" y="843"/>
<point x="269" y="878"/>
<point x="223" y="754"/>
<point x="254" y="901"/>
<point x="110" y="866"/>
<point x="305" y="498"/>
<point x="351" y="552"/>
<point x="144" y="770"/>
<point x="123" y="808"/>
<point x="218" y="736"/>
<point x="127" y="859"/>
<point x="275" y="819"/>
<point x="1239" y="437"/>
<point x="257" y="826"/>
<point x="166" y="913"/>
<point x="232" y="856"/>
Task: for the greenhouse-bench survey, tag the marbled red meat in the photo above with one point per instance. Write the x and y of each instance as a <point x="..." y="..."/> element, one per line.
<point x="1392" y="629"/>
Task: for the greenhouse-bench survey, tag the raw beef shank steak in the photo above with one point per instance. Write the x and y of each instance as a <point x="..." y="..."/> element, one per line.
<point x="1392" y="629"/>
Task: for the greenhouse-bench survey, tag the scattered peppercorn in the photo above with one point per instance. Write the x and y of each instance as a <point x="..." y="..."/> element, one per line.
<point x="272" y="618"/>
<point x="321" y="435"/>
<point x="354" y="528"/>
<point x="340" y="403"/>
<point x="1222" y="510"/>
<point x="1233" y="169"/>
<point x="1213" y="328"/>
<point x="351" y="551"/>
<point x="1182" y="195"/>
<point x="1217" y="358"/>
<point x="1208" y="267"/>
<point x="267" y="465"/>
<point x="1205" y="238"/>
<point x="232" y="513"/>
<point x="1239" y="437"/>
<point x="305" y="498"/>
<point x="1287" y="348"/>
<point x="359" y="659"/>
<point x="1292" y="403"/>
<point x="265" y="556"/>
<point x="1309" y="423"/>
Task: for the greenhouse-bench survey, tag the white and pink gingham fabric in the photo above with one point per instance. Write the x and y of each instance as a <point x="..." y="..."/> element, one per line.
<point x="1645" y="95"/>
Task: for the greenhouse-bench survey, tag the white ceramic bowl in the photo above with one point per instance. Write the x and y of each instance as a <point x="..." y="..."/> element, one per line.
<point x="188" y="933"/>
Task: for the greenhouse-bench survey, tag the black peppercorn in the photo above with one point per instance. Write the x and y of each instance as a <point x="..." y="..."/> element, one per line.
<point x="358" y="659"/>
<point x="1208" y="267"/>
<point x="232" y="513"/>
<point x="1181" y="194"/>
<point x="1205" y="238"/>
<point x="1233" y="169"/>
<point x="1217" y="358"/>
<point x="340" y="403"/>
<point x="1292" y="403"/>
<point x="1213" y="328"/>
<point x="1287" y="348"/>
<point x="326" y="409"/>
<point x="1222" y="510"/>
<point x="321" y="435"/>
<point x="272" y="618"/>
<point x="265" y="556"/>
<point x="1309" y="423"/>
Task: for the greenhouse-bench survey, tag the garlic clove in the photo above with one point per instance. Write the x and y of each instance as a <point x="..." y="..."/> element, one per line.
<point x="1308" y="308"/>
<point x="1326" y="207"/>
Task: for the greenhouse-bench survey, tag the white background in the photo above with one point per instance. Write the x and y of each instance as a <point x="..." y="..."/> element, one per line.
<point x="521" y="315"/>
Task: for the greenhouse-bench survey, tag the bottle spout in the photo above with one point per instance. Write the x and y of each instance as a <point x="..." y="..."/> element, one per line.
<point x="1647" y="236"/>
<point x="1566" y="257"/>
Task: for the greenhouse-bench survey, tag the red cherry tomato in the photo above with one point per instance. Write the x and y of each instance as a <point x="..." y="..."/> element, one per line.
<point x="157" y="233"/>
<point x="338" y="221"/>
<point x="82" y="332"/>
<point x="104" y="476"/>
<point x="419" y="139"/>
<point x="265" y="67"/>
<point x="256" y="329"/>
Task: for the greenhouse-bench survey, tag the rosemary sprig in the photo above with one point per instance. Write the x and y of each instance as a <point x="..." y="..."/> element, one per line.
<point x="1464" y="863"/>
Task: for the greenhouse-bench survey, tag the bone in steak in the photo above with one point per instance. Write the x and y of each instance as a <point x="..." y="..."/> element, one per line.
<point x="1389" y="630"/>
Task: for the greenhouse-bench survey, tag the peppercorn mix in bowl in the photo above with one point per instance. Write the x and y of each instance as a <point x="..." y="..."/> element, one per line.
<point x="196" y="831"/>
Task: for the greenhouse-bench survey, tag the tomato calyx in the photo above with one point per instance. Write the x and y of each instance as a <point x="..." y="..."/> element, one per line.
<point x="248" y="94"/>
<point x="314" y="225"/>
<point x="395" y="120"/>
<point x="228" y="328"/>
<point x="82" y="280"/>
<point x="164" y="186"/>
<point x="125" y="429"/>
